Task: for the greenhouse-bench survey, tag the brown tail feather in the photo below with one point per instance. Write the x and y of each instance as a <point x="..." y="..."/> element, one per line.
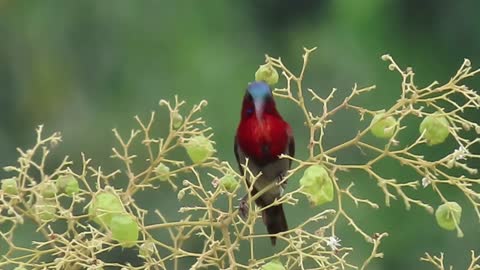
<point x="274" y="219"/>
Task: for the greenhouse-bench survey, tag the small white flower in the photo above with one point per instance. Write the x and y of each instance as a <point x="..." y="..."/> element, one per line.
<point x="426" y="181"/>
<point x="215" y="182"/>
<point x="334" y="242"/>
<point x="461" y="153"/>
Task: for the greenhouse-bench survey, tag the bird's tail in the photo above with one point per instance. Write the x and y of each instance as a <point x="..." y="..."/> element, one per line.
<point x="274" y="219"/>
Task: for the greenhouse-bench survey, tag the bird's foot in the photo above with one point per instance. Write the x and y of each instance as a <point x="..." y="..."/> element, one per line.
<point x="243" y="207"/>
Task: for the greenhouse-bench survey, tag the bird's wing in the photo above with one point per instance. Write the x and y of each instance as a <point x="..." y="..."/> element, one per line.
<point x="239" y="155"/>
<point x="291" y="149"/>
<point x="291" y="146"/>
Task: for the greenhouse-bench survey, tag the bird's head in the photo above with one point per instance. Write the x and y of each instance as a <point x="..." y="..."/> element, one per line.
<point x="259" y="100"/>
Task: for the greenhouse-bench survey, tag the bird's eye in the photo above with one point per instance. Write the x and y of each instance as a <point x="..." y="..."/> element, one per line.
<point x="250" y="111"/>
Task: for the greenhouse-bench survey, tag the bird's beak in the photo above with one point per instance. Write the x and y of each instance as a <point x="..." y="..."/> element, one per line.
<point x="259" y="106"/>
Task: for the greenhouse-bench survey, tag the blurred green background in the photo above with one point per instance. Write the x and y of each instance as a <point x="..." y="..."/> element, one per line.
<point x="85" y="67"/>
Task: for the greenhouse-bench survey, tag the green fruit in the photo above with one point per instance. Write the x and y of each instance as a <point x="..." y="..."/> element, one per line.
<point x="383" y="127"/>
<point x="104" y="206"/>
<point x="317" y="184"/>
<point x="124" y="229"/>
<point x="68" y="184"/>
<point x="273" y="265"/>
<point x="177" y="120"/>
<point x="199" y="148"/>
<point x="448" y="215"/>
<point x="45" y="210"/>
<point x="267" y="73"/>
<point x="47" y="189"/>
<point x="162" y="171"/>
<point x="19" y="268"/>
<point x="435" y="129"/>
<point x="147" y="249"/>
<point x="229" y="183"/>
<point x="10" y="186"/>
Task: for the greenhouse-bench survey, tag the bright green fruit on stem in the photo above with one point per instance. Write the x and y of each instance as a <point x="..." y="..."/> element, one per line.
<point x="435" y="129"/>
<point x="45" y="210"/>
<point x="267" y="73"/>
<point x="317" y="184"/>
<point x="448" y="215"/>
<point x="68" y="184"/>
<point x="229" y="183"/>
<point x="383" y="127"/>
<point x="162" y="171"/>
<point x="177" y="120"/>
<point x="124" y="229"/>
<point x="273" y="265"/>
<point x="9" y="186"/>
<point x="104" y="206"/>
<point x="199" y="148"/>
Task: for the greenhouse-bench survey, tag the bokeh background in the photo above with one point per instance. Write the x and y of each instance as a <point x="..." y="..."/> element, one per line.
<point x="85" y="67"/>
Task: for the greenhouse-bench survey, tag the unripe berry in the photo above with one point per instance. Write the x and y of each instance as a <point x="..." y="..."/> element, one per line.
<point x="177" y="120"/>
<point x="229" y="183"/>
<point x="383" y="127"/>
<point x="317" y="184"/>
<point x="199" y="148"/>
<point x="104" y="206"/>
<point x="448" y="215"/>
<point x="124" y="229"/>
<point x="273" y="265"/>
<point x="435" y="129"/>
<point x="162" y="171"/>
<point x="10" y="186"/>
<point x="45" y="210"/>
<point x="47" y="189"/>
<point x="267" y="73"/>
<point x="68" y="184"/>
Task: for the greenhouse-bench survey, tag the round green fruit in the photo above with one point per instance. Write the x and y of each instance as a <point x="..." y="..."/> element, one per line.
<point x="448" y="215"/>
<point x="199" y="148"/>
<point x="229" y="183"/>
<point x="47" y="189"/>
<point x="68" y="184"/>
<point x="317" y="184"/>
<point x="435" y="129"/>
<point x="382" y="126"/>
<point x="267" y="73"/>
<point x="177" y="120"/>
<point x="162" y="171"/>
<point x="45" y="210"/>
<point x="273" y="265"/>
<point x="104" y="206"/>
<point x="10" y="186"/>
<point x="124" y="229"/>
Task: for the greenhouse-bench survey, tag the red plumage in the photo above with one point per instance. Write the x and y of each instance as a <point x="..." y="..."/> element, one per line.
<point x="262" y="140"/>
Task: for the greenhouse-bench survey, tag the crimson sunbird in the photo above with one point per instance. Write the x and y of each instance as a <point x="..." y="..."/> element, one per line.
<point x="262" y="136"/>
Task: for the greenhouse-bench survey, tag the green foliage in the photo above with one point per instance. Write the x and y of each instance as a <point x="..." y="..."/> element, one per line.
<point x="210" y="190"/>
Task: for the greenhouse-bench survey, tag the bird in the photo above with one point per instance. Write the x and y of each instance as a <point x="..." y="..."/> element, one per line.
<point x="262" y="136"/>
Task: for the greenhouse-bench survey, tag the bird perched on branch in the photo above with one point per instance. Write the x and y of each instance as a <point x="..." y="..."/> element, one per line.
<point x="262" y="136"/>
